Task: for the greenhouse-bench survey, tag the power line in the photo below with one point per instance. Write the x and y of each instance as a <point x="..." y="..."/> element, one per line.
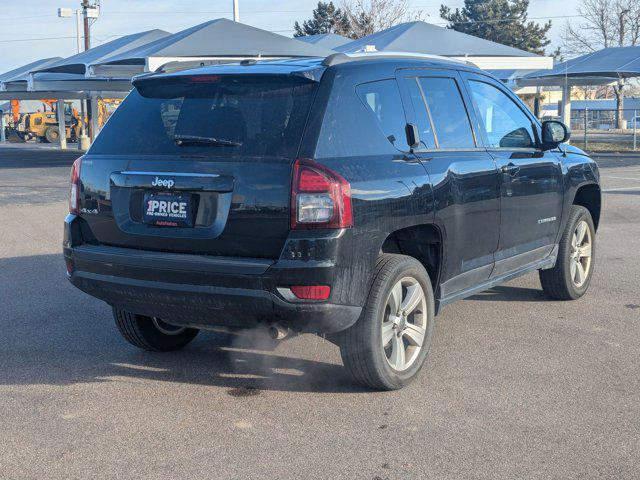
<point x="257" y="12"/>
<point x="227" y="12"/>
<point x="26" y="18"/>
<point x="496" y="20"/>
<point x="218" y="12"/>
<point x="34" y="39"/>
<point x="101" y="38"/>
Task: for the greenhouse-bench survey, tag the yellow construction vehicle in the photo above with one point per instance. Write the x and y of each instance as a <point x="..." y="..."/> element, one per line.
<point x="43" y="126"/>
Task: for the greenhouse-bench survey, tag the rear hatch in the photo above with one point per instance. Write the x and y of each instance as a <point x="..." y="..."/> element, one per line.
<point x="197" y="164"/>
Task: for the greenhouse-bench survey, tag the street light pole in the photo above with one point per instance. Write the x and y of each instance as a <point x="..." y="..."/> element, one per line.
<point x="236" y="11"/>
<point x="67" y="13"/>
<point x="78" y="27"/>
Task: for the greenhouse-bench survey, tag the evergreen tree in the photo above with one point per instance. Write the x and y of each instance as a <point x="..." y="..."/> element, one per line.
<point x="326" y="18"/>
<point x="501" y="21"/>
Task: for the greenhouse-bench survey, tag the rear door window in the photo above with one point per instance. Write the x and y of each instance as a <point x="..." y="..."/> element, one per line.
<point x="447" y="112"/>
<point x="382" y="98"/>
<point x="224" y="116"/>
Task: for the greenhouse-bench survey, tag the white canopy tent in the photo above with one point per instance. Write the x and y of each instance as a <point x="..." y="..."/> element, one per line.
<point x="72" y="74"/>
<point x="16" y="80"/>
<point x="216" y="41"/>
<point x="604" y="67"/>
<point x="421" y="37"/>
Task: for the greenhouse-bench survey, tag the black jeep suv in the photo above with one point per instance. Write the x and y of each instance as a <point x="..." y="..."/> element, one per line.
<point x="351" y="196"/>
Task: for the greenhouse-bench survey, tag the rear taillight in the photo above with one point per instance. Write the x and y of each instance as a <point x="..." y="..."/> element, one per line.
<point x="320" y="198"/>
<point x="74" y="193"/>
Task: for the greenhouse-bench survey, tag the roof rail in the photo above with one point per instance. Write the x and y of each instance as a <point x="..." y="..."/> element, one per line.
<point x="338" y="58"/>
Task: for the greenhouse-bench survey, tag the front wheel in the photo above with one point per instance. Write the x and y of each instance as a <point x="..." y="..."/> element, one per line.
<point x="52" y="135"/>
<point x="571" y="276"/>
<point x="389" y="343"/>
<point x="150" y="333"/>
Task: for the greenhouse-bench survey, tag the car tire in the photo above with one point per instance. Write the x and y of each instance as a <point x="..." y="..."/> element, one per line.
<point x="571" y="276"/>
<point x="150" y="333"/>
<point x="393" y="327"/>
<point x="52" y="135"/>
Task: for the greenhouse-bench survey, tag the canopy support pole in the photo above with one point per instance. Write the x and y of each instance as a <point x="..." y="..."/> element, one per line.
<point x="635" y="130"/>
<point x="95" y="113"/>
<point x="83" y="114"/>
<point x="536" y="103"/>
<point x="566" y="105"/>
<point x="2" y="139"/>
<point x="62" y="129"/>
<point x="83" y="139"/>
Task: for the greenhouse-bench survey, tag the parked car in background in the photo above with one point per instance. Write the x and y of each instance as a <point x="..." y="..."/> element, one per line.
<point x="351" y="197"/>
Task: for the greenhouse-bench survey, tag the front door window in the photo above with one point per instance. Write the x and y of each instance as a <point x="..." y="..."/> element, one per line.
<point x="505" y="124"/>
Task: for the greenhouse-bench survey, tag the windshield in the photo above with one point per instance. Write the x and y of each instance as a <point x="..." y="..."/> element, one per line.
<point x="238" y="116"/>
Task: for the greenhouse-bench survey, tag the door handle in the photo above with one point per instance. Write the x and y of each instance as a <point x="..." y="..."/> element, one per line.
<point x="510" y="169"/>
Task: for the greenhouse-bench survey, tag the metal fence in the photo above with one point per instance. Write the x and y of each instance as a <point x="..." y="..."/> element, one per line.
<point x="598" y="130"/>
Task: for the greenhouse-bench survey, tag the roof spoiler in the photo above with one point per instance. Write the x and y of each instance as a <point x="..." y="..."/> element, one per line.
<point x="338" y="58"/>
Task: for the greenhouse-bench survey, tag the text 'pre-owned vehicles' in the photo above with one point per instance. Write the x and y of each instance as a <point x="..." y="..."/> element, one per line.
<point x="351" y="196"/>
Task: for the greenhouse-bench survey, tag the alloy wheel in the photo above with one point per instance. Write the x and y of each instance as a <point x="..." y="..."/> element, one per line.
<point x="404" y="324"/>
<point x="580" y="260"/>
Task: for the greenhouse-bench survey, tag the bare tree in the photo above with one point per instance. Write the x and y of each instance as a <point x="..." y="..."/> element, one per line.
<point x="606" y="23"/>
<point x="370" y="16"/>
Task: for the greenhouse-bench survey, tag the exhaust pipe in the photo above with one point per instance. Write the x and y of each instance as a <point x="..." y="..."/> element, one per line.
<point x="278" y="332"/>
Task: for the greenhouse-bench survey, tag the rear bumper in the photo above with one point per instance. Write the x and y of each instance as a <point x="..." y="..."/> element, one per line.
<point x="202" y="290"/>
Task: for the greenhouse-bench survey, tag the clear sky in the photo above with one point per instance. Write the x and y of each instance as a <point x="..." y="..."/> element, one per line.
<point x="22" y="22"/>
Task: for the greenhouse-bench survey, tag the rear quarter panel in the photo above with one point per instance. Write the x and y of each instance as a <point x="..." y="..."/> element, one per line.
<point x="390" y="189"/>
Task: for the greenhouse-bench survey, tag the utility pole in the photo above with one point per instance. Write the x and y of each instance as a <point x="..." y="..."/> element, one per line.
<point x="236" y="11"/>
<point x="87" y="33"/>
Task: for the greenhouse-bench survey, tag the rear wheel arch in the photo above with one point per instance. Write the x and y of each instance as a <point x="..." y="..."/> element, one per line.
<point x="422" y="242"/>
<point x="590" y="197"/>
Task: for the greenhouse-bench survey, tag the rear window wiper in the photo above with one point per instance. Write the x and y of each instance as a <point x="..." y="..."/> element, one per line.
<point x="186" y="140"/>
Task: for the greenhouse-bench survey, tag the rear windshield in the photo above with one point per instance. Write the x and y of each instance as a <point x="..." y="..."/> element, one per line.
<point x="234" y="116"/>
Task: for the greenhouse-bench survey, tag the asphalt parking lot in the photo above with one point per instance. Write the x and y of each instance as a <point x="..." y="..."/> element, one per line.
<point x="516" y="386"/>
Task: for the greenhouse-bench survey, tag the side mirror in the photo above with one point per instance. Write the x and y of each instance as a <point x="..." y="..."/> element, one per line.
<point x="553" y="134"/>
<point x="413" y="135"/>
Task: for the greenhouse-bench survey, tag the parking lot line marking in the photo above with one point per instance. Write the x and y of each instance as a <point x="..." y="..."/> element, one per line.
<point x="621" y="189"/>
<point x="621" y="178"/>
